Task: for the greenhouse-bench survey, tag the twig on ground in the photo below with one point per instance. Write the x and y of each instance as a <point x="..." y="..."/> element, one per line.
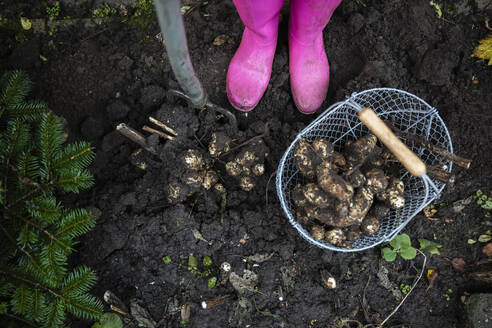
<point x="436" y="172"/>
<point x="460" y="161"/>
<point x="487" y="26"/>
<point x="365" y="306"/>
<point x="135" y="136"/>
<point x="266" y="191"/>
<point x="216" y="301"/>
<point x="247" y="142"/>
<point x="163" y="126"/>
<point x="160" y="133"/>
<point x="409" y="292"/>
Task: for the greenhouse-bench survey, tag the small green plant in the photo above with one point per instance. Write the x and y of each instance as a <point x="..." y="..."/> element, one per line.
<point x="53" y="12"/>
<point x="143" y="15"/>
<point x="483" y="200"/>
<point x="37" y="233"/>
<point x="402" y="245"/>
<point x="405" y="288"/>
<point x="429" y="246"/>
<point x="109" y="320"/>
<point x="447" y="295"/>
<point x="104" y="11"/>
<point x="143" y="8"/>
<point x="437" y="8"/>
<point x="194" y="269"/>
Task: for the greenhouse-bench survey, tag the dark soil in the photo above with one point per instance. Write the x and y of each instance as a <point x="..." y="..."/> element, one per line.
<point x="100" y="76"/>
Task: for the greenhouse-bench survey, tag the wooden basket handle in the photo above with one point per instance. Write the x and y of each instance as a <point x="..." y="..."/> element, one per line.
<point x="408" y="158"/>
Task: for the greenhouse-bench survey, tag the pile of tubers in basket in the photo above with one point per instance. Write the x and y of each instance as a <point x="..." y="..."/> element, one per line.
<point x="345" y="194"/>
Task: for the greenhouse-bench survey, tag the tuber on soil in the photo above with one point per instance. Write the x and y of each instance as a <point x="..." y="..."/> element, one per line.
<point x="335" y="237"/>
<point x="315" y="195"/>
<point x="376" y="180"/>
<point x="318" y="232"/>
<point x="394" y="195"/>
<point x="306" y="158"/>
<point x="323" y="148"/>
<point x="219" y="144"/>
<point x="333" y="184"/>
<point x="337" y="200"/>
<point x="356" y="152"/>
<point x="249" y="164"/>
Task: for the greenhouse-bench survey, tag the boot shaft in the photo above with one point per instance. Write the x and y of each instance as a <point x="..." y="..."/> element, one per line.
<point x="308" y="18"/>
<point x="260" y="17"/>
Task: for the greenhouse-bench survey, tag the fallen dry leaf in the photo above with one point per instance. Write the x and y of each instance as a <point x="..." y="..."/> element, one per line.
<point x="448" y="220"/>
<point x="484" y="238"/>
<point x="484" y="49"/>
<point x="487" y="249"/>
<point x="458" y="264"/>
<point x="185" y="312"/>
<point x="431" y="278"/>
<point x="220" y="39"/>
<point x="485" y="276"/>
<point x="429" y="211"/>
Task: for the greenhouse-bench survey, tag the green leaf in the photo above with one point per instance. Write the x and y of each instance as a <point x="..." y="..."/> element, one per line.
<point x="25" y="23"/>
<point x="27" y="236"/>
<point x="109" y="320"/>
<point x="28" y="111"/>
<point x="429" y="246"/>
<point x="437" y="8"/>
<point x="401" y="241"/>
<point x="408" y="253"/>
<point x="79" y="281"/>
<point x="192" y="262"/>
<point x="207" y="261"/>
<point x="45" y="209"/>
<point x="84" y="306"/>
<point x="21" y="300"/>
<point x="166" y="259"/>
<point x="6" y="288"/>
<point x="54" y="316"/>
<point x="15" y="138"/>
<point x="28" y="165"/>
<point x="50" y="139"/>
<point x="75" y="180"/>
<point x="38" y="305"/>
<point x="3" y="307"/>
<point x="75" y="223"/>
<point x="388" y="254"/>
<point x="471" y="241"/>
<point x="487" y="205"/>
<point x="77" y="155"/>
<point x="54" y="260"/>
<point x="212" y="281"/>
<point x="14" y="86"/>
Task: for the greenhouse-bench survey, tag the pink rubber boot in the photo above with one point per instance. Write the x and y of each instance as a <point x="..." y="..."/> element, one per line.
<point x="250" y="68"/>
<point x="308" y="65"/>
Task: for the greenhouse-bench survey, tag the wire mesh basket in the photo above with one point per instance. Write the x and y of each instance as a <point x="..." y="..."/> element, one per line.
<point x="340" y="123"/>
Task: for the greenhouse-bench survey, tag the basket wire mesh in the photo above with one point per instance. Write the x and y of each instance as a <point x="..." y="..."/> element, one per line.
<point x="340" y="123"/>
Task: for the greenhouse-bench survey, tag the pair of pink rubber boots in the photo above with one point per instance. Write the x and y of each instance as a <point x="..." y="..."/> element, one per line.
<point x="250" y="68"/>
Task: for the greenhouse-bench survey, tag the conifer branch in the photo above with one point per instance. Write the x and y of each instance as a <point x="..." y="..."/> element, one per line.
<point x="41" y="229"/>
<point x="29" y="323"/>
<point x="26" y="253"/>
<point x="34" y="164"/>
<point x="30" y="193"/>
